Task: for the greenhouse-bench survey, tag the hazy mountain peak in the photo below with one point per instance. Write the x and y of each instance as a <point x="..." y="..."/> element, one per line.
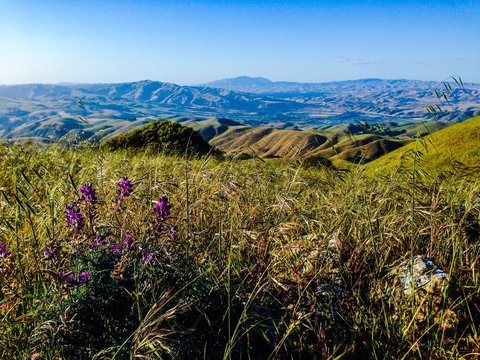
<point x="244" y="81"/>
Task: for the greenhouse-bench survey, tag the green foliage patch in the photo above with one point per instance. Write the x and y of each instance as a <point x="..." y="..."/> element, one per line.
<point x="165" y="137"/>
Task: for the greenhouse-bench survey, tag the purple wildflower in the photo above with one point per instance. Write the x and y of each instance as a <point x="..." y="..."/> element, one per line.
<point x="100" y="239"/>
<point x="162" y="208"/>
<point x="71" y="281"/>
<point x="128" y="242"/>
<point x="71" y="278"/>
<point x="172" y="232"/>
<point x="50" y="253"/>
<point x="74" y="217"/>
<point x="3" y="251"/>
<point x="84" y="278"/>
<point x="148" y="255"/>
<point x="89" y="195"/>
<point x="115" y="248"/>
<point x="126" y="187"/>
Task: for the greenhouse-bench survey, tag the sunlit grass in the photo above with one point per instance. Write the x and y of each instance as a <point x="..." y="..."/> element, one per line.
<point x="246" y="274"/>
<point x="453" y="147"/>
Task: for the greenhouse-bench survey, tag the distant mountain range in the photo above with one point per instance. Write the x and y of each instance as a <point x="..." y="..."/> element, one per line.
<point x="260" y="85"/>
<point x="366" y="99"/>
<point x="51" y="111"/>
<point x="159" y="93"/>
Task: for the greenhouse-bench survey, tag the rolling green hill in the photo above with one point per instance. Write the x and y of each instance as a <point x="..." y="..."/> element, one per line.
<point x="362" y="153"/>
<point x="361" y="148"/>
<point x="212" y="127"/>
<point x="269" y="142"/>
<point x="339" y="144"/>
<point x="454" y="146"/>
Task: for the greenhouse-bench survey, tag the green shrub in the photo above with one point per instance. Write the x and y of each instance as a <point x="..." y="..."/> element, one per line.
<point x="166" y="137"/>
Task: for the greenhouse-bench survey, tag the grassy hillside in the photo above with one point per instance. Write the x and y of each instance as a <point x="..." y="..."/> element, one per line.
<point x="402" y="131"/>
<point x="452" y="147"/>
<point x="374" y="149"/>
<point x="345" y="144"/>
<point x="213" y="127"/>
<point x="121" y="255"/>
<point x="360" y="148"/>
<point x="269" y="142"/>
<point x="330" y="144"/>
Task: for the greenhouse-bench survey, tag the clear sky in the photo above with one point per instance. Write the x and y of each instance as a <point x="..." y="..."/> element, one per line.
<point x="190" y="42"/>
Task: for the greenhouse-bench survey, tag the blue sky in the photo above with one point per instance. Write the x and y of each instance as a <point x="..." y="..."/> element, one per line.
<point x="190" y="42"/>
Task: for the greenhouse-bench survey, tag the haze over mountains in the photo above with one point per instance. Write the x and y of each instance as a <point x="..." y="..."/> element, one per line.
<point x="370" y="99"/>
<point x="51" y="111"/>
<point x="260" y="85"/>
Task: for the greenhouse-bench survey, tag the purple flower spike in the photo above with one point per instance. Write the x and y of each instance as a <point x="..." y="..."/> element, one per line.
<point x="84" y="278"/>
<point x="115" y="248"/>
<point x="128" y="242"/>
<point x="50" y="253"/>
<point x="3" y="251"/>
<point x="162" y="208"/>
<point x="88" y="194"/>
<point x="74" y="217"/>
<point x="126" y="187"/>
<point x="148" y="255"/>
<point x="71" y="281"/>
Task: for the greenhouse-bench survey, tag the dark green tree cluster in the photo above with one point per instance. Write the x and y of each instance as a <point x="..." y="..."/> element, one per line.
<point x="166" y="137"/>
